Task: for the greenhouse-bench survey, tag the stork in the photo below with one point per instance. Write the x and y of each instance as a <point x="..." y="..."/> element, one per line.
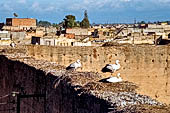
<point x="111" y="67"/>
<point x="74" y="65"/>
<point x="114" y="79"/>
<point x="12" y="44"/>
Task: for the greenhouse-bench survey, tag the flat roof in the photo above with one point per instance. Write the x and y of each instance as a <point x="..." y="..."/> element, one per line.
<point x="20" y="18"/>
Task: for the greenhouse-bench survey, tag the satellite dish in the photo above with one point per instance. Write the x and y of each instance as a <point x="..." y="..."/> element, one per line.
<point x="15" y="15"/>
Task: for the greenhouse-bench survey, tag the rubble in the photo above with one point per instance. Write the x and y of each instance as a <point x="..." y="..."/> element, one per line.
<point x="124" y="99"/>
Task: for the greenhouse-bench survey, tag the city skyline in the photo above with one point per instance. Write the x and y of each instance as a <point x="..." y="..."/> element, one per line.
<point x="99" y="11"/>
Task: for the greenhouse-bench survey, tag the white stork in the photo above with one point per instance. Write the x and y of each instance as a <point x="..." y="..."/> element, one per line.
<point x="74" y="65"/>
<point x="114" y="79"/>
<point x="13" y="44"/>
<point x="111" y="67"/>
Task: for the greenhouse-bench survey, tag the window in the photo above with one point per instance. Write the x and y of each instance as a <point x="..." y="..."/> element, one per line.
<point x="48" y="43"/>
<point x="169" y="35"/>
<point x="72" y="43"/>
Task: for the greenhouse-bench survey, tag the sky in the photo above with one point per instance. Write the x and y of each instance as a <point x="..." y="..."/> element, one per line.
<point x="99" y="11"/>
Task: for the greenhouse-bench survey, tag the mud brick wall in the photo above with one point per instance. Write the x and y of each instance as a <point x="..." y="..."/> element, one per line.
<point x="19" y="77"/>
<point x="146" y="65"/>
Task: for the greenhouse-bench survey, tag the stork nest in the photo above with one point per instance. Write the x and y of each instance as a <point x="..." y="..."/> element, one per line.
<point x="90" y="81"/>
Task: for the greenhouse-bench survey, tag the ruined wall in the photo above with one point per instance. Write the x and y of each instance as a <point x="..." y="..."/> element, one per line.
<point x="19" y="77"/>
<point x="147" y="66"/>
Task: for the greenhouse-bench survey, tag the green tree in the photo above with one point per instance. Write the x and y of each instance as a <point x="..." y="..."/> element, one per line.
<point x="85" y="22"/>
<point x="77" y="24"/>
<point x="44" y="23"/>
<point x="55" y="25"/>
<point x="69" y="21"/>
<point x="142" y="22"/>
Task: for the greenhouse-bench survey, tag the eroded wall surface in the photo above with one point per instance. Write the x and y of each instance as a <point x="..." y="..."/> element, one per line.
<point x="19" y="77"/>
<point x="16" y="76"/>
<point x="145" y="65"/>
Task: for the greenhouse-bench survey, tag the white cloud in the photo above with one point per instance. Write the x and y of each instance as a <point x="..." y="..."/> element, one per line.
<point x="22" y="1"/>
<point x="37" y="7"/>
<point x="50" y="8"/>
<point x="162" y="1"/>
<point x="6" y="7"/>
<point x="125" y="0"/>
<point x="97" y="4"/>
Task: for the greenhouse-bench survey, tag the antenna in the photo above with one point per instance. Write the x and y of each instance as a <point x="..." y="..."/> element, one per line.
<point x="135" y="21"/>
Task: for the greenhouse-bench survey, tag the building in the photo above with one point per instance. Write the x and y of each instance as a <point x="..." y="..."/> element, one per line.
<point x="35" y="40"/>
<point x="78" y="32"/>
<point x="82" y="43"/>
<point x="52" y="41"/>
<point x="63" y="41"/>
<point x="5" y="38"/>
<point x="70" y="36"/>
<point x="1" y="25"/>
<point x="49" y="41"/>
<point x="19" y="24"/>
<point x="23" y="22"/>
<point x="58" y="41"/>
